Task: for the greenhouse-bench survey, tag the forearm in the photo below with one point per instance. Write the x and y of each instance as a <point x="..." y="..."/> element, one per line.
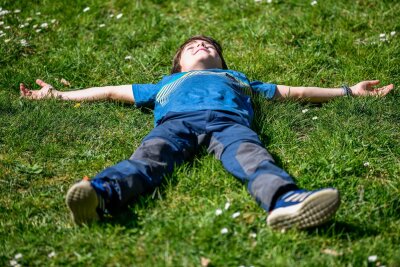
<point x="89" y="94"/>
<point x="311" y="94"/>
<point x="120" y="93"/>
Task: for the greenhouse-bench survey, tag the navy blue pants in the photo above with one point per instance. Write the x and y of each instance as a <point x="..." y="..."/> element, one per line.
<point x="176" y="139"/>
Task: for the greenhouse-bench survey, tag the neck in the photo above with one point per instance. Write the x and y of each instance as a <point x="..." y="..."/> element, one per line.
<point x="202" y="65"/>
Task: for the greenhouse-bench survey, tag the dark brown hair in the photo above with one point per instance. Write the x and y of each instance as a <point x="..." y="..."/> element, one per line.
<point x="176" y="67"/>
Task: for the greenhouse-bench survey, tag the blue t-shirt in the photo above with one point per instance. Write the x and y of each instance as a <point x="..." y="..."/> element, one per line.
<point x="215" y="89"/>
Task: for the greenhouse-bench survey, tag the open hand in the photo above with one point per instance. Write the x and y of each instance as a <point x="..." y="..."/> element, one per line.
<point x="47" y="91"/>
<point x="367" y="88"/>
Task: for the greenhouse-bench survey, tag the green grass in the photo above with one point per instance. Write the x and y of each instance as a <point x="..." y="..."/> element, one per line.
<point x="46" y="146"/>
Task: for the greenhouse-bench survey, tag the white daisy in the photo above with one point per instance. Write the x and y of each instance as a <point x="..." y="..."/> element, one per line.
<point x="4" y="12"/>
<point x="236" y="214"/>
<point x="227" y="205"/>
<point x="224" y="231"/>
<point x="218" y="212"/>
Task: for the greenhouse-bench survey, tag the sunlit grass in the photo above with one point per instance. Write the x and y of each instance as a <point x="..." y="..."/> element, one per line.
<point x="350" y="143"/>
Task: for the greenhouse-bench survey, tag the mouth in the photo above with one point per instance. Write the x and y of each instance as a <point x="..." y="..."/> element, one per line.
<point x="200" y="49"/>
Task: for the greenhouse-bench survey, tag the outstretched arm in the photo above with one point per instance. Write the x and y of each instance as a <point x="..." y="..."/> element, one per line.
<point x="121" y="93"/>
<point x="318" y="95"/>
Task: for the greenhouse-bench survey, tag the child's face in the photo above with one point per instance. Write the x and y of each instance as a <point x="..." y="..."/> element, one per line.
<point x="199" y="55"/>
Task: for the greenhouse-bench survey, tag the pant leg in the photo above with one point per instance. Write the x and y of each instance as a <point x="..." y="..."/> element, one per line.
<point x="243" y="155"/>
<point x="167" y="145"/>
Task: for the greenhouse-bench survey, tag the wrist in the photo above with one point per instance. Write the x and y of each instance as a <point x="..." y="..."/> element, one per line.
<point x="55" y="94"/>
<point x="347" y="90"/>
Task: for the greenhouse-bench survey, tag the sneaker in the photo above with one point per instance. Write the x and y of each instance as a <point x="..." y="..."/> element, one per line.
<point x="83" y="202"/>
<point x="303" y="209"/>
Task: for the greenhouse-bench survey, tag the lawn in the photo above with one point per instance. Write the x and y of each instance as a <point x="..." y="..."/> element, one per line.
<point x="352" y="144"/>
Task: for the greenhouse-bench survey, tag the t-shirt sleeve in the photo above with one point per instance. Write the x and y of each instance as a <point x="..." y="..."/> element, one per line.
<point x="144" y="94"/>
<point x="265" y="89"/>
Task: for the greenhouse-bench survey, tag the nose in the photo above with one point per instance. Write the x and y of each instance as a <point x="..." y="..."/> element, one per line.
<point x="202" y="44"/>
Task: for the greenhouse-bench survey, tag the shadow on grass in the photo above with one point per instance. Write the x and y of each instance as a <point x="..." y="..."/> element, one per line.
<point x="344" y="230"/>
<point x="127" y="218"/>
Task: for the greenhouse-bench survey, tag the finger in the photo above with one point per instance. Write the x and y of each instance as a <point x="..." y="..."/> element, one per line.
<point x="382" y="91"/>
<point x="372" y="83"/>
<point x="386" y="89"/>
<point x="41" y="83"/>
<point x="390" y="86"/>
<point x="22" y="87"/>
<point x="23" y="90"/>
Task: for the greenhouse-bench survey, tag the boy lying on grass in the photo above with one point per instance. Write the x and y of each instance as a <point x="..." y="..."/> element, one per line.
<point x="203" y="103"/>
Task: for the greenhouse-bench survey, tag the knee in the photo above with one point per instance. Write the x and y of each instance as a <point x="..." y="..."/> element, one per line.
<point x="156" y="149"/>
<point x="251" y="155"/>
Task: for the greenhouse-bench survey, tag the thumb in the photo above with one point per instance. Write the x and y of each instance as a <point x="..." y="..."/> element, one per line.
<point x="373" y="82"/>
<point x="41" y="83"/>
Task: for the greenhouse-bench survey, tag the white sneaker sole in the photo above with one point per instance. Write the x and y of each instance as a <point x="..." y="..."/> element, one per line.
<point x="82" y="201"/>
<point x="313" y="211"/>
